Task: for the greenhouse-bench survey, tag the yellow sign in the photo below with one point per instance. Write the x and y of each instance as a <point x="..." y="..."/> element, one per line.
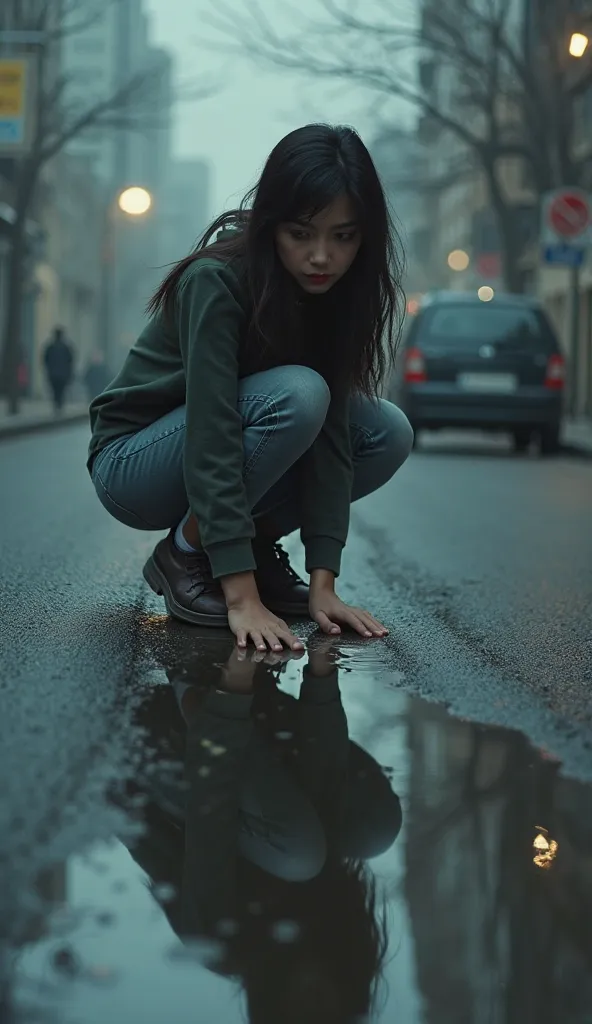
<point x="13" y="84"/>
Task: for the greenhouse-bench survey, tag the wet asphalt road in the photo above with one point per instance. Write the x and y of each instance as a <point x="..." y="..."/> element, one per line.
<point x="480" y="561"/>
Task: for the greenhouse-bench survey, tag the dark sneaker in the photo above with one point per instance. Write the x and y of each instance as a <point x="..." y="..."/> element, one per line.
<point x="186" y="583"/>
<point x="280" y="586"/>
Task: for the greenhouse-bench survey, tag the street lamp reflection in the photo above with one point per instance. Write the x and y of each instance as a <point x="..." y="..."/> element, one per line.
<point x="545" y="849"/>
<point x="134" y="201"/>
<point x="486" y="293"/>
<point x="578" y="44"/>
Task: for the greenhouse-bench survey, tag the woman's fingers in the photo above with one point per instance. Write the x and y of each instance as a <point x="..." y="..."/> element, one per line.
<point x="326" y="625"/>
<point x="241" y="638"/>
<point x="273" y="641"/>
<point x="373" y="624"/>
<point x="354" y="619"/>
<point x="290" y="640"/>
<point x="258" y="640"/>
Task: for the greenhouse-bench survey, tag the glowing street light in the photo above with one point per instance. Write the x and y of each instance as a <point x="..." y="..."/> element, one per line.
<point x="578" y="44"/>
<point x="485" y="293"/>
<point x="458" y="260"/>
<point x="135" y="201"/>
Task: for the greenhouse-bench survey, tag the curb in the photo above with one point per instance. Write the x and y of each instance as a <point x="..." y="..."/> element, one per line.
<point x="10" y="430"/>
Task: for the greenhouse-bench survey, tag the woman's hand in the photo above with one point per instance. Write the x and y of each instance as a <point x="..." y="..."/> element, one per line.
<point x="330" y="612"/>
<point x="238" y="674"/>
<point x="252" y="620"/>
<point x="248" y="618"/>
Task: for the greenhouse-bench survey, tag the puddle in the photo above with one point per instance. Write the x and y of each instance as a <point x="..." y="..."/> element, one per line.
<point x="310" y="845"/>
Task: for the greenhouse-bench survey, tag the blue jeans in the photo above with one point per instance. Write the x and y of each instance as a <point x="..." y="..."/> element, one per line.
<point x="139" y="477"/>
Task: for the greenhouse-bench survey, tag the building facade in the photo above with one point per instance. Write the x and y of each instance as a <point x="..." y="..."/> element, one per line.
<point x="464" y="214"/>
<point x="88" y="267"/>
<point x="186" y="207"/>
<point x="130" y="147"/>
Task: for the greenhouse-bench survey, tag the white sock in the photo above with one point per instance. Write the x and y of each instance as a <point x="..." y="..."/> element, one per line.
<point x="180" y="542"/>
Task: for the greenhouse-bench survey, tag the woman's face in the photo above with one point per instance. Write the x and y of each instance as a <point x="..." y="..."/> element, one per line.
<point x="318" y="252"/>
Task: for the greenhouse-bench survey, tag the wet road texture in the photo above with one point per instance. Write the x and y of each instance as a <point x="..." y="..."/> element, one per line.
<point x="374" y="832"/>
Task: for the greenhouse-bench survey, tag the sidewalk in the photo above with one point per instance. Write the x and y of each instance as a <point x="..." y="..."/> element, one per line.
<point x="38" y="414"/>
<point x="578" y="434"/>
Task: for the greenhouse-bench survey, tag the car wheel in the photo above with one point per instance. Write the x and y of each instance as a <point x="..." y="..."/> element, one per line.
<point x="550" y="439"/>
<point x="522" y="439"/>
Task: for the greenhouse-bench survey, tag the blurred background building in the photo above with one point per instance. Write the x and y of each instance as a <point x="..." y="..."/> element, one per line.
<point x="89" y="266"/>
<point x="502" y="241"/>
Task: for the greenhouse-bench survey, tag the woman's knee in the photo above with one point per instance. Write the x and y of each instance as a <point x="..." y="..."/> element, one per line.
<point x="306" y="397"/>
<point x="399" y="435"/>
<point x="382" y="441"/>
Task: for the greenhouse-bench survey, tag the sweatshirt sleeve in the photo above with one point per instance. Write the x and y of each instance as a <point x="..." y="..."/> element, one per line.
<point x="326" y="489"/>
<point x="210" y="319"/>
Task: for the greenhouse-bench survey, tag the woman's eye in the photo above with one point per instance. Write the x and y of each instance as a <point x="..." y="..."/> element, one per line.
<point x="298" y="235"/>
<point x="347" y="236"/>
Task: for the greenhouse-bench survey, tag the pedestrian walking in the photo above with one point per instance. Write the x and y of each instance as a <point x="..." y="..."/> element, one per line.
<point x="247" y="408"/>
<point x="58" y="360"/>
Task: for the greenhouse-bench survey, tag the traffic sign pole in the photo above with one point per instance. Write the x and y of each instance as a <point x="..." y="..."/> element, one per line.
<point x="575" y="340"/>
<point x="566" y="235"/>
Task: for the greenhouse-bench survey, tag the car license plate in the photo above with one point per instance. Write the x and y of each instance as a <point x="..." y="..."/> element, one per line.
<point x="488" y="383"/>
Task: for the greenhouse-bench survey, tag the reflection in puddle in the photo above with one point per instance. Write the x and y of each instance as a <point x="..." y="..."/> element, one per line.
<point x="318" y="847"/>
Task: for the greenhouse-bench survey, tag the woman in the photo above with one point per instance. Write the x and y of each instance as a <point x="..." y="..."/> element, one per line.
<point x="245" y="409"/>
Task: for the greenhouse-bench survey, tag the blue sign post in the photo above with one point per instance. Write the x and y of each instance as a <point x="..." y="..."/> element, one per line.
<point x="562" y="254"/>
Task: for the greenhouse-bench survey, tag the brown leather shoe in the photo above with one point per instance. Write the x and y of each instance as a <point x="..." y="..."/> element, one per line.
<point x="280" y="587"/>
<point x="186" y="583"/>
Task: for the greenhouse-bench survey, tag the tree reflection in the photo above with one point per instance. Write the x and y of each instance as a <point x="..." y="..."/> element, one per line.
<point x="498" y="940"/>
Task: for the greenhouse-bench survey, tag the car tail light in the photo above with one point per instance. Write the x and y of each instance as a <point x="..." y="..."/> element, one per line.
<point x="415" y="367"/>
<point x="555" y="378"/>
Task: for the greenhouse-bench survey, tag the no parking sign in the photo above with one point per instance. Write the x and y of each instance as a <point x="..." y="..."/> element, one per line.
<point x="566" y="226"/>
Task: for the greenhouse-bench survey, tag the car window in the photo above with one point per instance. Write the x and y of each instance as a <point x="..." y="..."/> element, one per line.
<point x="468" y="326"/>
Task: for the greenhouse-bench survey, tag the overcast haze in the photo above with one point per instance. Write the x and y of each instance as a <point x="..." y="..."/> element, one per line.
<point x="237" y="129"/>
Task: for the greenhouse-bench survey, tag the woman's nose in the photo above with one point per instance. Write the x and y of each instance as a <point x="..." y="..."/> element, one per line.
<point x="319" y="255"/>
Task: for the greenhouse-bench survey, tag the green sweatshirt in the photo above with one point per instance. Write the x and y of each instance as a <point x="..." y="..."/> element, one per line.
<point x="195" y="355"/>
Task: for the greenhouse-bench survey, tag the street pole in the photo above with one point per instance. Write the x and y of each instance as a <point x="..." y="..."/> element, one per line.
<point x="105" y="319"/>
<point x="575" y="340"/>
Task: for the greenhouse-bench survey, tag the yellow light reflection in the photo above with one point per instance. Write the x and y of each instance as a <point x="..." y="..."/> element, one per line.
<point x="545" y="849"/>
<point x="578" y="44"/>
<point x="486" y="293"/>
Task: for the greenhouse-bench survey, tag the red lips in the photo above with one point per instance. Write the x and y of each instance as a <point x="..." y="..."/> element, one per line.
<point x="319" y="278"/>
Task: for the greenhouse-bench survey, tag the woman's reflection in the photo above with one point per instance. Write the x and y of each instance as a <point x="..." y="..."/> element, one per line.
<point x="265" y="840"/>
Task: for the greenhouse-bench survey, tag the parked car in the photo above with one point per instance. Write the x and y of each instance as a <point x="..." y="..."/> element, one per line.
<point x="494" y="366"/>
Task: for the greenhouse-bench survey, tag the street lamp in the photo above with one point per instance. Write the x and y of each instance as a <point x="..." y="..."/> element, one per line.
<point x="485" y="293"/>
<point x="135" y="201"/>
<point x="578" y="44"/>
<point x="458" y="260"/>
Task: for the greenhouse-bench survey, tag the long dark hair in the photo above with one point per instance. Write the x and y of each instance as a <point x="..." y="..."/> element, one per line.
<point x="359" y="320"/>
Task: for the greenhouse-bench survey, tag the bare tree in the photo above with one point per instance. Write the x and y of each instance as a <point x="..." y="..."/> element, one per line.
<point x="59" y="118"/>
<point x="470" y="67"/>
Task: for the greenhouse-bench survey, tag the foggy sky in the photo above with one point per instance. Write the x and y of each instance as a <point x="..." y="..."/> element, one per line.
<point x="237" y="129"/>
